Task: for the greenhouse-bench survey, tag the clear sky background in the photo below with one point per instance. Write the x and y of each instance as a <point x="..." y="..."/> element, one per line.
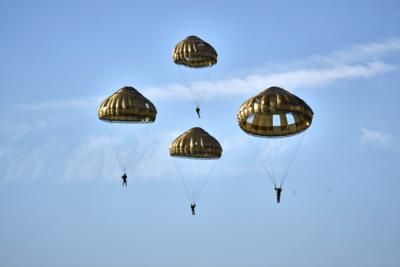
<point x="61" y="200"/>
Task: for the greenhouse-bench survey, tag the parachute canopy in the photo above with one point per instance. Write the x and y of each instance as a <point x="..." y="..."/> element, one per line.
<point x="127" y="105"/>
<point x="193" y="52"/>
<point x="274" y="113"/>
<point x="195" y="143"/>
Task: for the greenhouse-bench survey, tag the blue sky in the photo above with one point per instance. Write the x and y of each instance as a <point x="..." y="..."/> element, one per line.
<point x="61" y="202"/>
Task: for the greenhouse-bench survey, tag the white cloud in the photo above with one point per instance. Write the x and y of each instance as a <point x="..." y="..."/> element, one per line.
<point x="365" y="52"/>
<point x="372" y="137"/>
<point x="251" y="84"/>
<point x="104" y="157"/>
<point x="93" y="157"/>
<point x="360" y="61"/>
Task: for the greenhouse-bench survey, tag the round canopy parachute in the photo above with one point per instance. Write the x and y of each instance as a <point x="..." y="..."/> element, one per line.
<point x="127" y="105"/>
<point x="196" y="143"/>
<point x="256" y="115"/>
<point x="193" y="52"/>
<point x="125" y="110"/>
<point x="192" y="145"/>
<point x="271" y="114"/>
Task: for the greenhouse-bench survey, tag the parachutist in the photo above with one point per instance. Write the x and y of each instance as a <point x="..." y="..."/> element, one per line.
<point x="193" y="206"/>
<point x="198" y="111"/>
<point x="278" y="193"/>
<point x="124" y="180"/>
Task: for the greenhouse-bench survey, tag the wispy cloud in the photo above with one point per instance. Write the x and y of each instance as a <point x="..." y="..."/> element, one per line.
<point x="365" y="52"/>
<point x="106" y="157"/>
<point x="377" y="138"/>
<point x="93" y="157"/>
<point x="357" y="62"/>
<point x="251" y="84"/>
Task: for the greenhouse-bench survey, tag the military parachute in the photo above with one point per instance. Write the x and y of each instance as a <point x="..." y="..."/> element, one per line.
<point x="194" y="53"/>
<point x="195" y="152"/>
<point x="124" y="110"/>
<point x="278" y="118"/>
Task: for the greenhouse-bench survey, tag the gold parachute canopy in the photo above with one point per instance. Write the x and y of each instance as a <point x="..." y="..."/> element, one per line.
<point x="195" y="143"/>
<point x="193" y="52"/>
<point x="127" y="105"/>
<point x="274" y="112"/>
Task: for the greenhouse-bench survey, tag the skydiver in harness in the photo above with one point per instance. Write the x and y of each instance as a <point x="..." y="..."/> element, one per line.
<point x="193" y="206"/>
<point x="278" y="193"/>
<point x="198" y="111"/>
<point x="124" y="180"/>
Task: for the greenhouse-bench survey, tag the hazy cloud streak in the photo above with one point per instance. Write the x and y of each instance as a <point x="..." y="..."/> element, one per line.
<point x="360" y="61"/>
<point x="373" y="137"/>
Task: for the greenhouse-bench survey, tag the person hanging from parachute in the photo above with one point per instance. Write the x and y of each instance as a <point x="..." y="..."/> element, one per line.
<point x="278" y="193"/>
<point x="192" y="207"/>
<point x="124" y="178"/>
<point x="197" y="149"/>
<point x="198" y="111"/>
<point x="277" y="116"/>
<point x="193" y="52"/>
<point x="126" y="106"/>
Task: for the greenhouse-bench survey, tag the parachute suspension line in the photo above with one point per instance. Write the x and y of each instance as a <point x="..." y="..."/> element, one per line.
<point x="274" y="159"/>
<point x="205" y="182"/>
<point x="292" y="159"/>
<point x="187" y="86"/>
<point x="279" y="146"/>
<point x="131" y="155"/>
<point x="204" y="72"/>
<point x="269" y="174"/>
<point x="114" y="146"/>
<point x="137" y="149"/>
<point x="118" y="158"/>
<point x="182" y="178"/>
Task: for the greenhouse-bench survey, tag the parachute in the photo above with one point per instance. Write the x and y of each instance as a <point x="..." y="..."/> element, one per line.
<point x="122" y="110"/>
<point x="194" y="53"/>
<point x="279" y="117"/>
<point x="196" y="150"/>
<point x="255" y="115"/>
<point x="127" y="105"/>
